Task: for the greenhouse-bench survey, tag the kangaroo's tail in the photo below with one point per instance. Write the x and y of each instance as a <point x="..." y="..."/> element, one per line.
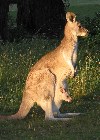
<point x="25" y="107"/>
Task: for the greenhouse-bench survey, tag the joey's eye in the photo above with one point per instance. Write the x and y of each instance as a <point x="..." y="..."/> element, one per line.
<point x="79" y="26"/>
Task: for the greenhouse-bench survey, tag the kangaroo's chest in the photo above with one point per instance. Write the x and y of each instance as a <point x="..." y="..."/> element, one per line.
<point x="74" y="55"/>
<point x="70" y="56"/>
<point x="61" y="73"/>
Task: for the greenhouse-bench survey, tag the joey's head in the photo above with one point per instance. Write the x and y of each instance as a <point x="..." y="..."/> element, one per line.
<point x="74" y="26"/>
<point x="64" y="95"/>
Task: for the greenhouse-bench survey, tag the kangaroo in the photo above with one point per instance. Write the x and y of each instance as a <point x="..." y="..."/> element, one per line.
<point x="46" y="82"/>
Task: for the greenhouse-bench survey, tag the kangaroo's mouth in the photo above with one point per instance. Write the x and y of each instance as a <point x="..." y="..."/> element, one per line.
<point x="85" y="34"/>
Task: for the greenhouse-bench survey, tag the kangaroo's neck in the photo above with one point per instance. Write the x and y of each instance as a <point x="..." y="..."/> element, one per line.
<point x="70" y="39"/>
<point x="69" y="45"/>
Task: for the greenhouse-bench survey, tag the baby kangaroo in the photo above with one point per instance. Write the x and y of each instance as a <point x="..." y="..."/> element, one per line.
<point x="46" y="82"/>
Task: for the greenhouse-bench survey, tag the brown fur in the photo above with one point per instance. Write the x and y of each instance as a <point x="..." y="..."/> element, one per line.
<point x="46" y="81"/>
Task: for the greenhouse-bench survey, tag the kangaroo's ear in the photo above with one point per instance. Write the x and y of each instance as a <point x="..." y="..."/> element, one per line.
<point x="70" y="17"/>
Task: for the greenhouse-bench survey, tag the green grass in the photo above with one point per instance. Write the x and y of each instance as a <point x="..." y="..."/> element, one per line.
<point x="81" y="128"/>
<point x="16" y="60"/>
<point x="84" y="8"/>
<point x="88" y="10"/>
<point x="82" y="2"/>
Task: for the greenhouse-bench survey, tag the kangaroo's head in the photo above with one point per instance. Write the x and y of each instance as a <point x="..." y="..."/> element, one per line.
<point x="74" y="26"/>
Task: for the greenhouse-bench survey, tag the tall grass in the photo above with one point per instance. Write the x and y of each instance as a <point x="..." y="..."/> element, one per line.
<point x="86" y="82"/>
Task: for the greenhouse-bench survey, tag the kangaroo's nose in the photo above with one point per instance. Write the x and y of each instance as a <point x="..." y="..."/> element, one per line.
<point x="87" y="31"/>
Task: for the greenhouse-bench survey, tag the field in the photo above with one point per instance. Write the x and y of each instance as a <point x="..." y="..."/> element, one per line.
<point x="89" y="10"/>
<point x="84" y="8"/>
<point x="16" y="60"/>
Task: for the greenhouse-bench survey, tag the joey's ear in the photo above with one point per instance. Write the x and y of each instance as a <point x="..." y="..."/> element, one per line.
<point x="70" y="16"/>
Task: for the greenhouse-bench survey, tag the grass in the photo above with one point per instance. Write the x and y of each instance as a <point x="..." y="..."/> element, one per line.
<point x="85" y="127"/>
<point x="85" y="10"/>
<point x="15" y="61"/>
<point x="82" y="2"/>
<point x="28" y="129"/>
